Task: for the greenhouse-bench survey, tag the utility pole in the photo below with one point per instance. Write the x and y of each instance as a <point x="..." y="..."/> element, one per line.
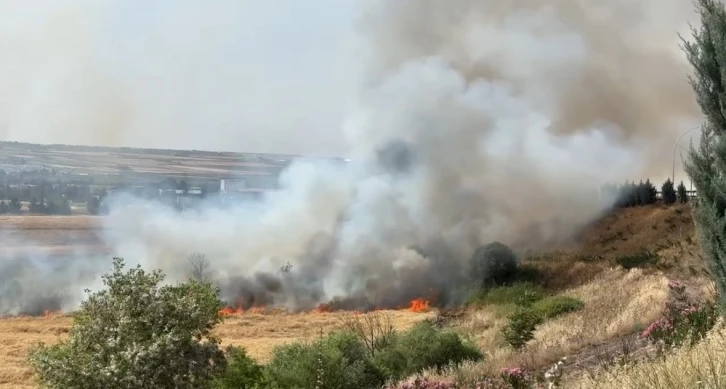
<point x="673" y="174"/>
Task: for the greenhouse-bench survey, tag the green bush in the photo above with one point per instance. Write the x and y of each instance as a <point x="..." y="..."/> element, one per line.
<point x="525" y="320"/>
<point x="553" y="306"/>
<point x="340" y="357"/>
<point x="241" y="373"/>
<point x="520" y="293"/>
<point x="137" y="334"/>
<point x="392" y="360"/>
<point x="520" y="329"/>
<point x="641" y="259"/>
<point x="342" y="360"/>
<point x="493" y="264"/>
<point x="424" y="346"/>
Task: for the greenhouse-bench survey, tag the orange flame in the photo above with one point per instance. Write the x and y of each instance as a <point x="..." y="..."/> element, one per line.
<point x="226" y="311"/>
<point x="322" y="308"/>
<point x="419" y="305"/>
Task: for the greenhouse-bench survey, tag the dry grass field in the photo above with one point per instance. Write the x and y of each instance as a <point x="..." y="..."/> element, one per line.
<point x="98" y="160"/>
<point x="51" y="235"/>
<point x="618" y="302"/>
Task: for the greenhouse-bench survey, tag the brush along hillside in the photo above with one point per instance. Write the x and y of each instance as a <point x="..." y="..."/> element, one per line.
<point x="579" y="300"/>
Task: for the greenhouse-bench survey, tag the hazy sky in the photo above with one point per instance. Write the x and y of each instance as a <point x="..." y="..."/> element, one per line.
<point x="226" y="74"/>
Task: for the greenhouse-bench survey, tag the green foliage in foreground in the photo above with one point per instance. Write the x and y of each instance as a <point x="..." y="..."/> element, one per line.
<point x="137" y="334"/>
<point x="706" y="165"/>
<point x="520" y="329"/>
<point x="343" y="362"/>
<point x="242" y="372"/>
<point x="531" y="308"/>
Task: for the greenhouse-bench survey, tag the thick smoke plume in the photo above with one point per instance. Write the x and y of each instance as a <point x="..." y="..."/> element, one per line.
<point x="475" y="121"/>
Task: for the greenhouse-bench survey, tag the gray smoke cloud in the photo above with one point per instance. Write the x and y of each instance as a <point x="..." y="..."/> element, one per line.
<point x="473" y="121"/>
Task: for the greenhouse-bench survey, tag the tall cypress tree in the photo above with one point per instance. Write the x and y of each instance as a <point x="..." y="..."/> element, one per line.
<point x="682" y="193"/>
<point x="706" y="165"/>
<point x="668" y="192"/>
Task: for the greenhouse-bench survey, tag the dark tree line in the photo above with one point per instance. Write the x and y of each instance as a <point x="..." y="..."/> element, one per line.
<point x="50" y="207"/>
<point x="631" y="194"/>
<point x="46" y="190"/>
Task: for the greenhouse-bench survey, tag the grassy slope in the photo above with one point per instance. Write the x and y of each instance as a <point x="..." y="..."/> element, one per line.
<point x="618" y="303"/>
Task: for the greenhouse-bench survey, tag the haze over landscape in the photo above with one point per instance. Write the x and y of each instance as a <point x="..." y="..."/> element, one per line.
<point x="284" y="77"/>
<point x="324" y="163"/>
<point x="466" y="124"/>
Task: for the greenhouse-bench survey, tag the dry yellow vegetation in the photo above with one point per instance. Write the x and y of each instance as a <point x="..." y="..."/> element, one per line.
<point x="616" y="303"/>
<point x="257" y="333"/>
<point x="703" y="366"/>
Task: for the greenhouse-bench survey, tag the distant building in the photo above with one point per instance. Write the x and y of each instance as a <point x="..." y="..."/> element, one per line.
<point x="252" y="182"/>
<point x="232" y="184"/>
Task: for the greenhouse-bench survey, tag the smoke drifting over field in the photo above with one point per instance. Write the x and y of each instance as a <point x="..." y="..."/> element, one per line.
<point x="475" y="121"/>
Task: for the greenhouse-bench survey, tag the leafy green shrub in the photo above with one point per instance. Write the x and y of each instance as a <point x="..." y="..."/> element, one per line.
<point x="493" y="264"/>
<point x="241" y="373"/>
<point x="423" y="347"/>
<point x="524" y="321"/>
<point x="137" y="334"/>
<point x="520" y="293"/>
<point x="641" y="259"/>
<point x="392" y="361"/>
<point x="668" y="192"/>
<point x="684" y="321"/>
<point x="520" y="329"/>
<point x="553" y="306"/>
<point x="341" y="357"/>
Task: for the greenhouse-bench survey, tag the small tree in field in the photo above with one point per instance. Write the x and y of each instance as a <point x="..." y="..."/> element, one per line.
<point x="668" y="192"/>
<point x="682" y="193"/>
<point x="137" y="334"/>
<point x="198" y="267"/>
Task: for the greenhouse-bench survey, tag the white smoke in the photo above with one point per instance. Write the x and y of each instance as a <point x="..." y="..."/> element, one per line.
<point x="475" y="121"/>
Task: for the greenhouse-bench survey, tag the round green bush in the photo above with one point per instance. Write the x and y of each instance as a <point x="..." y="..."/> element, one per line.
<point x="493" y="264"/>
